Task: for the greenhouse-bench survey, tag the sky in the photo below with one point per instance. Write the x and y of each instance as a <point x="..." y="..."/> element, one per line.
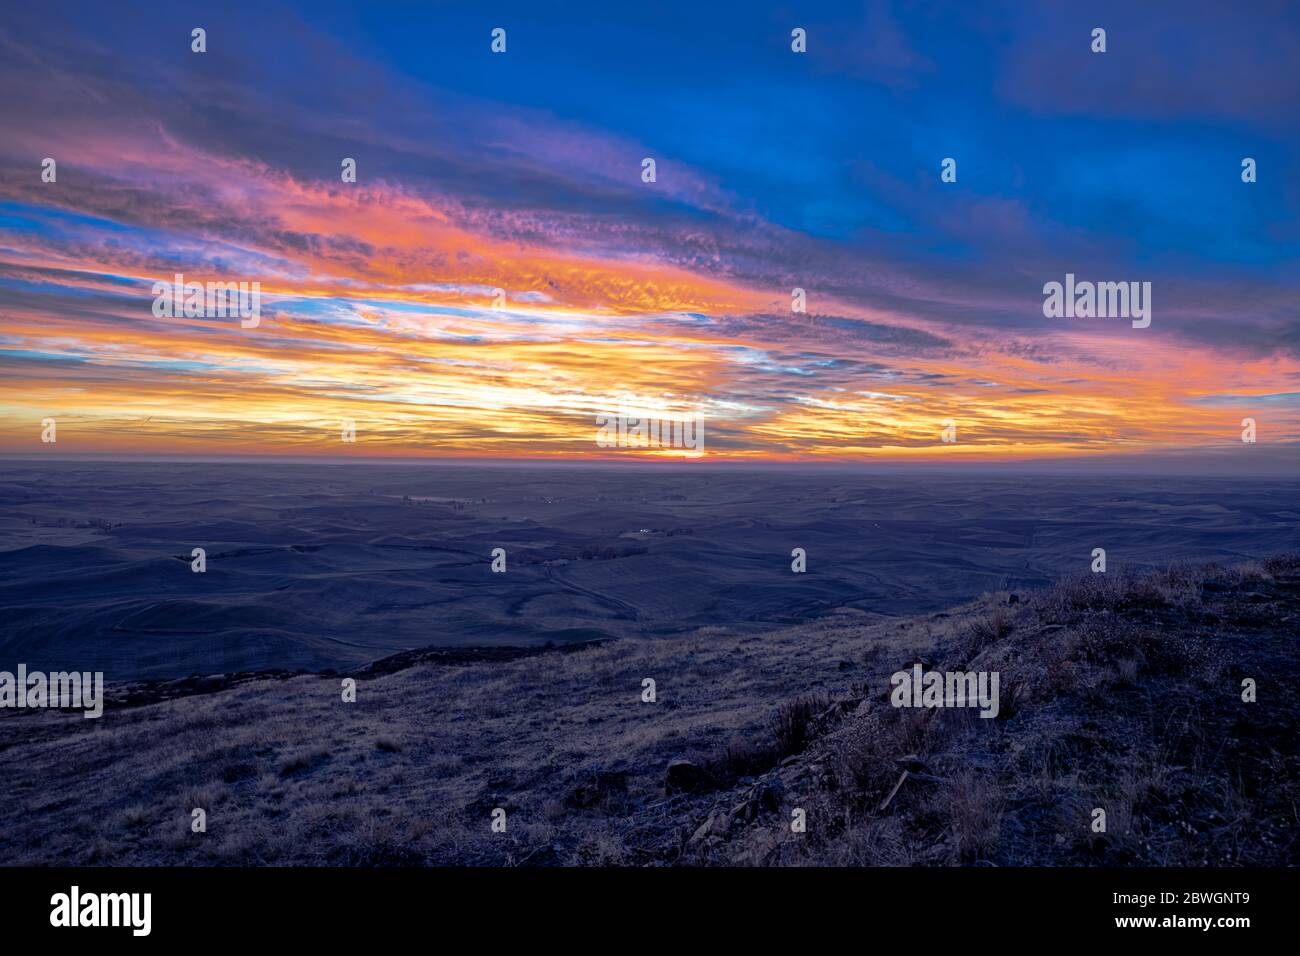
<point x="522" y="171"/>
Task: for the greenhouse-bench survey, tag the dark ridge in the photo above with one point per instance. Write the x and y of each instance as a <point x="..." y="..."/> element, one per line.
<point x="142" y="693"/>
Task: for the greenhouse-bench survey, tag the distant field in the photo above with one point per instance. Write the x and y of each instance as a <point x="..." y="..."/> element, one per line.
<point x="316" y="566"/>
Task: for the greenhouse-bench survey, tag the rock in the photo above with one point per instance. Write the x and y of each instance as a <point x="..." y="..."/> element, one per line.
<point x="818" y="773"/>
<point x="597" y="789"/>
<point x="767" y="794"/>
<point x="716" y="825"/>
<point x="482" y="806"/>
<point x="684" y="776"/>
<point x="745" y="811"/>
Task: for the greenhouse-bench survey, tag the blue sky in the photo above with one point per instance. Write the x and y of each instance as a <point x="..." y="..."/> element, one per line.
<point x="775" y="170"/>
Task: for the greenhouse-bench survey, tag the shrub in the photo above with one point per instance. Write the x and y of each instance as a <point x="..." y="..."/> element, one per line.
<point x="792" y="721"/>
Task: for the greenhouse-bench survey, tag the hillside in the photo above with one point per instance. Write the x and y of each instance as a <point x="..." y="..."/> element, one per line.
<point x="1120" y="692"/>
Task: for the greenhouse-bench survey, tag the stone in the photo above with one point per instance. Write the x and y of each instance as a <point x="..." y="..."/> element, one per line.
<point x="685" y="776"/>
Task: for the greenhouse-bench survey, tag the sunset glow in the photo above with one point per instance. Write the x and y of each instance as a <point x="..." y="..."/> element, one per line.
<point x="378" y="296"/>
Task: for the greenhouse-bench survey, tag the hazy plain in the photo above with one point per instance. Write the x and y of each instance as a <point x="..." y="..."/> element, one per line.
<point x="313" y="566"/>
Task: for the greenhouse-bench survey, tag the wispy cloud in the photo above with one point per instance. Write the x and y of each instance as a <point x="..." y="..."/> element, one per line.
<point x="924" y="298"/>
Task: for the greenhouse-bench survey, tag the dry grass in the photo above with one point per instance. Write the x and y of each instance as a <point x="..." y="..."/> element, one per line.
<point x="793" y="721"/>
<point x="290" y="774"/>
<point x="1118" y="691"/>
